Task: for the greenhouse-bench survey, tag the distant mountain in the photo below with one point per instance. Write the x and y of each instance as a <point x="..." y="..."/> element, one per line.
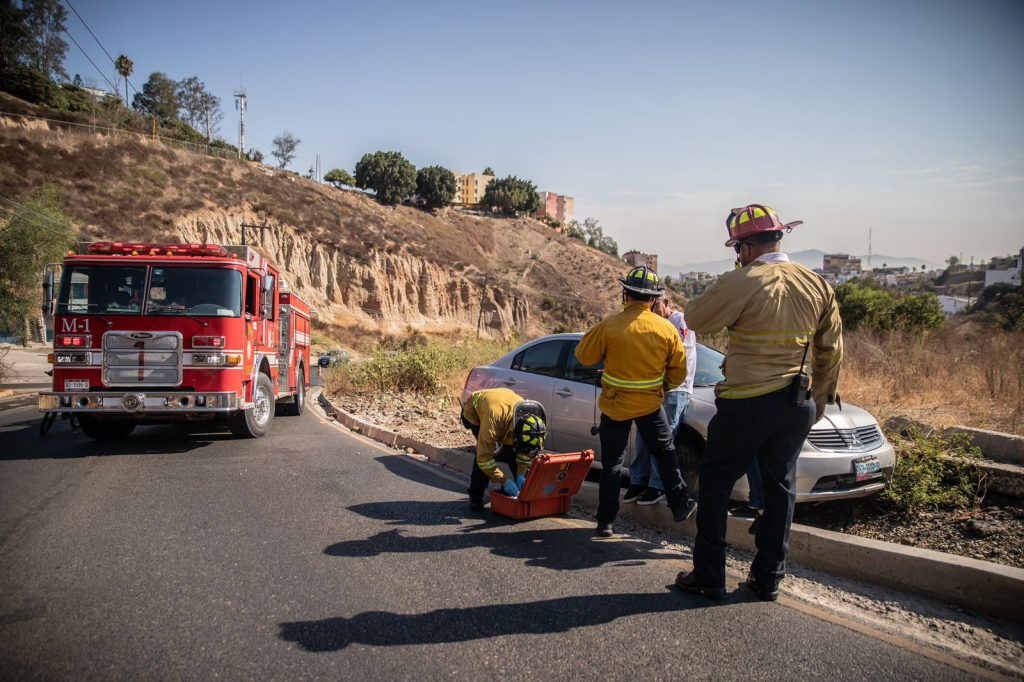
<point x="811" y="258"/>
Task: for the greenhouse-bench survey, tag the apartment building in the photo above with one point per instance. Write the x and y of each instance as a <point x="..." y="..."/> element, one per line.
<point x="469" y="187"/>
<point x="635" y="259"/>
<point x="556" y="206"/>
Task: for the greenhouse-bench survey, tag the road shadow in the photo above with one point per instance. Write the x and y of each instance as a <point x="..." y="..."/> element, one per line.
<point x="418" y="512"/>
<point x="559" y="549"/>
<point x="21" y="441"/>
<point x="414" y="470"/>
<point x="443" y="626"/>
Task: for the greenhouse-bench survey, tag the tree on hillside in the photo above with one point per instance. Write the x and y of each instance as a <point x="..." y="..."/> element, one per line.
<point x="255" y="155"/>
<point x="285" y="145"/>
<point x="435" y="186"/>
<point x="31" y="36"/>
<point x="159" y="98"/>
<point x="593" y="235"/>
<point x="339" y="177"/>
<point x="125" y="67"/>
<point x="388" y="174"/>
<point x="511" y="194"/>
<point x="199" y="108"/>
<point x="488" y="171"/>
<point x="38" y="232"/>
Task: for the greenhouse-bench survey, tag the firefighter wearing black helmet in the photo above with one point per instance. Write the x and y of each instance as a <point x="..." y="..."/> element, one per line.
<point x="643" y="356"/>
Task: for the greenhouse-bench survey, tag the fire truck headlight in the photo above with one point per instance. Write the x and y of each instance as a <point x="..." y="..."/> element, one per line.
<point x="72" y="358"/>
<point x="208" y="358"/>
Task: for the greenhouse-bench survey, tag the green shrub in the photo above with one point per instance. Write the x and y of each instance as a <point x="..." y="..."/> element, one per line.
<point x="425" y="368"/>
<point x="934" y="472"/>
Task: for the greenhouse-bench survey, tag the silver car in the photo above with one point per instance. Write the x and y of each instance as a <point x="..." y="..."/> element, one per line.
<point x="846" y="455"/>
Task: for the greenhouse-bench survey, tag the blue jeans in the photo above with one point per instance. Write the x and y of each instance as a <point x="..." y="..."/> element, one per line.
<point x="641" y="470"/>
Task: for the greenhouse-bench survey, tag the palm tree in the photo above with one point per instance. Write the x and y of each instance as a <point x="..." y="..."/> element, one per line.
<point x="124" y="67"/>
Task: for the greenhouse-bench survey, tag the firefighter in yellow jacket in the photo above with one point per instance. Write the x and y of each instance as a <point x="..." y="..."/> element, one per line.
<point x="643" y="357"/>
<point x="775" y="311"/>
<point x="508" y="429"/>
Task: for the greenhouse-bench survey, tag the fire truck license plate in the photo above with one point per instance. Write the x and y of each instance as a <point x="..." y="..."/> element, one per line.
<point x="867" y="468"/>
<point x="76" y="384"/>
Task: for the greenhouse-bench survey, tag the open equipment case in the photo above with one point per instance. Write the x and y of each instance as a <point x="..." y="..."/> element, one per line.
<point x="550" y="484"/>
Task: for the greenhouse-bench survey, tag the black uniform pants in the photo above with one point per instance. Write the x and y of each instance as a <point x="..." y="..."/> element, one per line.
<point x="657" y="436"/>
<point x="478" y="479"/>
<point x="772" y="428"/>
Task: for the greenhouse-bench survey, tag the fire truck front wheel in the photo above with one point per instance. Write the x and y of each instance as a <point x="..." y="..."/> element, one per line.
<point x="98" y="428"/>
<point x="256" y="420"/>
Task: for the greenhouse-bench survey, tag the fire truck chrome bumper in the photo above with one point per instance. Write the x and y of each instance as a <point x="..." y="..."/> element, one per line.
<point x="139" y="402"/>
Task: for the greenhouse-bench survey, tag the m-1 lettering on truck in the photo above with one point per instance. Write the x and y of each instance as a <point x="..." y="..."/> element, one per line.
<point x="155" y="333"/>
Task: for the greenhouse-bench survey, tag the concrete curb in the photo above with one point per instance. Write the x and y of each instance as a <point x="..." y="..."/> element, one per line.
<point x="976" y="585"/>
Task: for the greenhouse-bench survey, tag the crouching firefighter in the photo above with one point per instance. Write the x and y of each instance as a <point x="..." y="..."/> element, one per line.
<point x="500" y="417"/>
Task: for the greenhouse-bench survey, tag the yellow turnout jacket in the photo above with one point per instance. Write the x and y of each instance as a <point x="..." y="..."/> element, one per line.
<point x="773" y="310"/>
<point x="643" y="356"/>
<point x="493" y="410"/>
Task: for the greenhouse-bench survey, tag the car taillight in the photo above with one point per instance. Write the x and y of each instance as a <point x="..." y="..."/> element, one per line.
<point x="74" y="340"/>
<point x="207" y="341"/>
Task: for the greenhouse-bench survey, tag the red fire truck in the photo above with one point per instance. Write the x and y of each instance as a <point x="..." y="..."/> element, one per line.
<point x="151" y="333"/>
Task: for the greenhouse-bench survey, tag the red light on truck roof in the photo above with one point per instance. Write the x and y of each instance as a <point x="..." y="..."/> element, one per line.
<point x="134" y="248"/>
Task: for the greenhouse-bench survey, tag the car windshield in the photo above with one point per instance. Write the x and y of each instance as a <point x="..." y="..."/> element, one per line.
<point x="195" y="291"/>
<point x="709" y="366"/>
<point x="101" y="289"/>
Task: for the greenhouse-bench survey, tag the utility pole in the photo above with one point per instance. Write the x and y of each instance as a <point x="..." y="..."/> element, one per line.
<point x="240" y="104"/>
<point x="480" y="317"/>
<point x="262" y="227"/>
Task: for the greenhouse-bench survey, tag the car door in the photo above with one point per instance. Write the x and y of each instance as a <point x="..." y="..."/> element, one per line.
<point x="532" y="374"/>
<point x="573" y="412"/>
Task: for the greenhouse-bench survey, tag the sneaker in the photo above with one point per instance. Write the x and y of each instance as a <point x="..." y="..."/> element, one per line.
<point x="604" y="530"/>
<point x="651" y="496"/>
<point x="633" y="492"/>
<point x="687" y="582"/>
<point x="762" y="590"/>
<point x="476" y="504"/>
<point x="684" y="511"/>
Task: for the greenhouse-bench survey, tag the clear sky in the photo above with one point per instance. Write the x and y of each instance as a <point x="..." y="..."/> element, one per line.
<point x="656" y="116"/>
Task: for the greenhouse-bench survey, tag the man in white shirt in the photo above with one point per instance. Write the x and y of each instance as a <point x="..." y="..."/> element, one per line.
<point x="645" y="485"/>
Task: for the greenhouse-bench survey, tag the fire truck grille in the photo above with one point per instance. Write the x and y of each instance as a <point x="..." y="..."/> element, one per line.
<point x="142" y="359"/>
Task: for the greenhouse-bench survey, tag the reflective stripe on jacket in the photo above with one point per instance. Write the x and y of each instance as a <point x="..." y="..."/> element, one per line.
<point x="773" y="310"/>
<point x="643" y="355"/>
<point x="493" y="409"/>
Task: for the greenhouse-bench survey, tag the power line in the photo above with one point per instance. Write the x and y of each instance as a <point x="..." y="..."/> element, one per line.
<point x="23" y="207"/>
<point x="14" y="214"/>
<point x="100" y="71"/>
<point x="112" y="61"/>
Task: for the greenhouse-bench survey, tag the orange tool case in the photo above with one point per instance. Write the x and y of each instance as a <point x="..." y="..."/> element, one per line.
<point x="549" y="487"/>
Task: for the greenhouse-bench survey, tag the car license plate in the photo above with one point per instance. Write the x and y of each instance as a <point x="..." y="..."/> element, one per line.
<point x="867" y="468"/>
<point x="76" y="384"/>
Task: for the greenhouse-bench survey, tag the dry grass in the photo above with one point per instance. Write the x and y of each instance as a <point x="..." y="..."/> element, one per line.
<point x="966" y="374"/>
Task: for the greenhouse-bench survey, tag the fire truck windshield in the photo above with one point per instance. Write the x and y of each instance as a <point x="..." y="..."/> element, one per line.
<point x="194" y="291"/>
<point x="121" y="290"/>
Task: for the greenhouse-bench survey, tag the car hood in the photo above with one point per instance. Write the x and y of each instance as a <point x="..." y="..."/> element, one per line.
<point x="849" y="417"/>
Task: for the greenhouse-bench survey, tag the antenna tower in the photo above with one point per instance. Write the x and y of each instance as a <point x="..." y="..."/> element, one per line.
<point x="240" y="105"/>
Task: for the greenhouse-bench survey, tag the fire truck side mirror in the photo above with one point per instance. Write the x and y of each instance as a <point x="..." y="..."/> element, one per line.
<point x="268" y="297"/>
<point x="48" y="293"/>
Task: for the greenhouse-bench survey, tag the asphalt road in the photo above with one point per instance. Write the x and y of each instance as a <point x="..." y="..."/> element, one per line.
<point x="314" y="553"/>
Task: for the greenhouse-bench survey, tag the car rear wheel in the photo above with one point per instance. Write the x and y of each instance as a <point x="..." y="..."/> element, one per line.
<point x="255" y="421"/>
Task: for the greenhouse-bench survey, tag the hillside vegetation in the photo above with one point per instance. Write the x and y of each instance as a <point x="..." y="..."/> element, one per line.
<point x="361" y="263"/>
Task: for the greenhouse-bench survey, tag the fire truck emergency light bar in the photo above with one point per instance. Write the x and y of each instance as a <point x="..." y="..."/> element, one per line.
<point x="139" y="248"/>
